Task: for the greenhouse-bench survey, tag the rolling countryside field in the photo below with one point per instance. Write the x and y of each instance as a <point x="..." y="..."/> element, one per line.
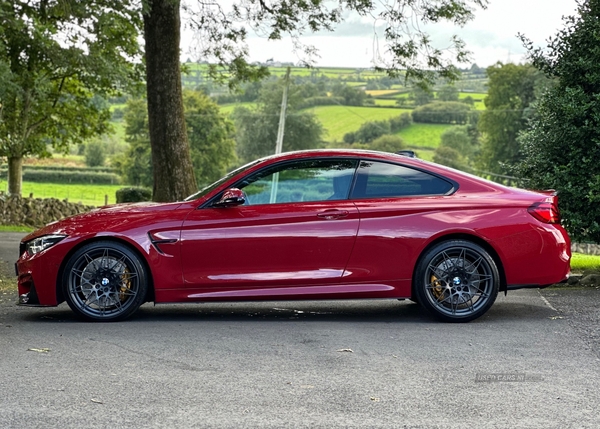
<point x="337" y="120"/>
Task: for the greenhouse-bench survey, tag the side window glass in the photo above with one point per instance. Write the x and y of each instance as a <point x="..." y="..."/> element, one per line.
<point x="311" y="180"/>
<point x="379" y="179"/>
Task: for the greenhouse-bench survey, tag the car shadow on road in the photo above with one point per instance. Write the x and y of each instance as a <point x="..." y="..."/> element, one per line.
<point x="373" y="311"/>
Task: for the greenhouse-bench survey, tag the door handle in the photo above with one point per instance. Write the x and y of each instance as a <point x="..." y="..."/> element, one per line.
<point x="332" y="214"/>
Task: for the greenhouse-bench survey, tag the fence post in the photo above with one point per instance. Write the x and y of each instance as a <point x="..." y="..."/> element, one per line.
<point x="105" y="200"/>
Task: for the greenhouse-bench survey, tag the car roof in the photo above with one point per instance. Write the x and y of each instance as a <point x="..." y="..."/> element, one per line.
<point x="468" y="182"/>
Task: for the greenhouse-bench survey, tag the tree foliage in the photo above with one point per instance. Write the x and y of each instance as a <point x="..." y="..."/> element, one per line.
<point x="95" y="155"/>
<point x="211" y="137"/>
<point x="561" y="146"/>
<point x="442" y="112"/>
<point x="448" y="93"/>
<point x="209" y="132"/>
<point x="387" y="143"/>
<point x="512" y="90"/>
<point x="222" y="28"/>
<point x="408" y="48"/>
<point x="135" y="166"/>
<point x="58" y="58"/>
<point x="256" y="129"/>
<point x="457" y="147"/>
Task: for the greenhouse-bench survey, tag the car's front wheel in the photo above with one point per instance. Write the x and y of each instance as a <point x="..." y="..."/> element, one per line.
<point x="457" y="281"/>
<point x="104" y="281"/>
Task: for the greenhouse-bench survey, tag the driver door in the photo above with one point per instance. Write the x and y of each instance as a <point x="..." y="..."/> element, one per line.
<point x="297" y="228"/>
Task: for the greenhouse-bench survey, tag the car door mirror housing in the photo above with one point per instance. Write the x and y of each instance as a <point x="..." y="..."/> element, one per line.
<point x="231" y="197"/>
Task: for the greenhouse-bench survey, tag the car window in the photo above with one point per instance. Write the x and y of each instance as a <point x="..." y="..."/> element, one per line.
<point x="379" y="179"/>
<point x="309" y="180"/>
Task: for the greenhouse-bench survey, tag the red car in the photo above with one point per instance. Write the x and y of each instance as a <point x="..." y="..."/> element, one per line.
<point x="325" y="224"/>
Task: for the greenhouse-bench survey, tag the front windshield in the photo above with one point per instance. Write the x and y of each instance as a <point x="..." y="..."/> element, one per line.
<point x="204" y="191"/>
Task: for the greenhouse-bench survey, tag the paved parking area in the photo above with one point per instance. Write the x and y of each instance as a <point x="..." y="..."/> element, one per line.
<point x="531" y="362"/>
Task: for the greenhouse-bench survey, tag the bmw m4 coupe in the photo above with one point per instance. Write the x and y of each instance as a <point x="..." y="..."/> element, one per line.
<point x="310" y="225"/>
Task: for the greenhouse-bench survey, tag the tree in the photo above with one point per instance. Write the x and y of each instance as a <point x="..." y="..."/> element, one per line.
<point x="351" y="96"/>
<point x="94" y="154"/>
<point x="210" y="133"/>
<point x="442" y="112"/>
<point x="457" y="147"/>
<point x="387" y="143"/>
<point x="512" y="90"/>
<point x="256" y="129"/>
<point x="173" y="170"/>
<point x="135" y="166"/>
<point x="211" y="137"/>
<point x="449" y="156"/>
<point x="448" y="93"/>
<point x="421" y="96"/>
<point x="58" y="59"/>
<point x="458" y="138"/>
<point x="561" y="146"/>
<point x="223" y="33"/>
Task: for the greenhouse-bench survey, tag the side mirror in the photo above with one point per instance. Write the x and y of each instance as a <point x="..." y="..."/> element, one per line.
<point x="231" y="197"/>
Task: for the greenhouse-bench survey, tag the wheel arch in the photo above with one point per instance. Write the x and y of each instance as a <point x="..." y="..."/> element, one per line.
<point x="150" y="292"/>
<point x="467" y="237"/>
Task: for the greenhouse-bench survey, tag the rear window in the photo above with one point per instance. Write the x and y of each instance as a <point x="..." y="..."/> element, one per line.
<point x="381" y="180"/>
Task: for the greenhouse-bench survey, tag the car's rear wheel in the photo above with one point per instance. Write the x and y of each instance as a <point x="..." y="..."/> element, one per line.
<point x="104" y="281"/>
<point x="457" y="281"/>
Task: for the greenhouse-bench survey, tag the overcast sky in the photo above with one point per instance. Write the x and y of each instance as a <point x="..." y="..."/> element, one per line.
<point x="491" y="37"/>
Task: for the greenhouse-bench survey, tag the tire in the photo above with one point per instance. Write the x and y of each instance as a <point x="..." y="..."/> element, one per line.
<point x="104" y="281"/>
<point x="456" y="281"/>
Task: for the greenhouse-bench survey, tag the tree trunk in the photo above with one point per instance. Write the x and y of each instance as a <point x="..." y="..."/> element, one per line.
<point x="171" y="160"/>
<point x="15" y="175"/>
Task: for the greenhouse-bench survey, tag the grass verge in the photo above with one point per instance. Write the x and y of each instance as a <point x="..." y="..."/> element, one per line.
<point x="92" y="195"/>
<point x="581" y="262"/>
<point x="15" y="228"/>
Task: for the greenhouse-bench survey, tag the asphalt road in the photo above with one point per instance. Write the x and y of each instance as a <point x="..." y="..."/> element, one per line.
<point x="305" y="364"/>
<point x="9" y="251"/>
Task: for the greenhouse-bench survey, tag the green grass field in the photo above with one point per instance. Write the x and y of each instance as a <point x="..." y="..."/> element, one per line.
<point x="423" y="135"/>
<point x="339" y="120"/>
<point x="385" y="102"/>
<point x="92" y="195"/>
<point x="228" y="108"/>
<point x="581" y="262"/>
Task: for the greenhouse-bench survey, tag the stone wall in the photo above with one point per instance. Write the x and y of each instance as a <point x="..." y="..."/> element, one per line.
<point x="36" y="212"/>
<point x="586" y="248"/>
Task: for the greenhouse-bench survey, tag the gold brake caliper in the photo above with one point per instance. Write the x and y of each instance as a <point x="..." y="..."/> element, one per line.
<point x="438" y="290"/>
<point x="125" y="284"/>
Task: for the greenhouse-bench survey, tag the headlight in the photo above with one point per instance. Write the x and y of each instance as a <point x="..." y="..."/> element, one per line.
<point x="42" y="243"/>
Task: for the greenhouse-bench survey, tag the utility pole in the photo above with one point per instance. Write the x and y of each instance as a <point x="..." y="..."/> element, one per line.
<point x="281" y="129"/>
<point x="280" y="132"/>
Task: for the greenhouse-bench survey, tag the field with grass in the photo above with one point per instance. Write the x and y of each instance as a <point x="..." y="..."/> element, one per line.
<point x="385" y="102"/>
<point x="380" y="92"/>
<point x="69" y="160"/>
<point x="581" y="262"/>
<point x="477" y="96"/>
<point x="339" y="120"/>
<point x="228" y="108"/>
<point x="92" y="195"/>
<point x="423" y="136"/>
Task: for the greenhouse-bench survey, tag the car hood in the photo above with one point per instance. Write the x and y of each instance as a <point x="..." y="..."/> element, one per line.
<point x="113" y="218"/>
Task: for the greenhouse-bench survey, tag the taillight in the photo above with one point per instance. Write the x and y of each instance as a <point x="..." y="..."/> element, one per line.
<point x="544" y="212"/>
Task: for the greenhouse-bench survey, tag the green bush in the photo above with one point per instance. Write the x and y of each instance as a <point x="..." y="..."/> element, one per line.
<point x="95" y="154"/>
<point x="399" y="122"/>
<point x="67" y="176"/>
<point x="442" y="112"/>
<point x="133" y="195"/>
<point x="4" y="168"/>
